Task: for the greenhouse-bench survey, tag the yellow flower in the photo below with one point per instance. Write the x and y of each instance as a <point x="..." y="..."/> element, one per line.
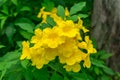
<point x="37" y="38"/>
<point x="37" y="57"/>
<point x="62" y="59"/>
<point x="82" y="45"/>
<point x="25" y="51"/>
<point x="87" y="62"/>
<point x="43" y="14"/>
<point x="50" y="53"/>
<point x="84" y="29"/>
<point x="78" y="37"/>
<point x="72" y="57"/>
<point x="54" y="11"/>
<point x="75" y="68"/>
<point x="68" y="29"/>
<point x="51" y="37"/>
<point x="90" y="45"/>
<point x="87" y="44"/>
<point x="76" y="56"/>
<point x="56" y="18"/>
<point x="39" y="61"/>
<point x="63" y="40"/>
<point x="80" y="25"/>
<point x="68" y="47"/>
<point x="66" y="12"/>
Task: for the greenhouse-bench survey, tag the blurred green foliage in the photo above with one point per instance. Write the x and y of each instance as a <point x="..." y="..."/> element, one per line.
<point x="17" y="23"/>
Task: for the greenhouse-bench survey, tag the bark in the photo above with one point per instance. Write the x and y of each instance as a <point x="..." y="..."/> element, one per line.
<point x="106" y="29"/>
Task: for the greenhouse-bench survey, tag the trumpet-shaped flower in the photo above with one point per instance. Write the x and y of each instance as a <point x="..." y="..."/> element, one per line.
<point x="37" y="38"/>
<point x="63" y="41"/>
<point x="50" y="53"/>
<point x="68" y="29"/>
<point x="87" y="62"/>
<point x="67" y="48"/>
<point x="75" y="68"/>
<point x="90" y="47"/>
<point x="51" y="37"/>
<point x="44" y="14"/>
<point x="37" y="57"/>
<point x="75" y="57"/>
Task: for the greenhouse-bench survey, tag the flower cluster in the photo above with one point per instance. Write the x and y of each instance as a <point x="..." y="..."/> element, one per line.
<point x="63" y="41"/>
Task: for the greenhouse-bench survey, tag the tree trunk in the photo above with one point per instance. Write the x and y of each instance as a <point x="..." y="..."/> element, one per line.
<point x="106" y="29"/>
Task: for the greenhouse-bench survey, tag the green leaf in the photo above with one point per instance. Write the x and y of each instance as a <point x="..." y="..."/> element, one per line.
<point x="28" y="75"/>
<point x="14" y="2"/>
<point x="2" y="16"/>
<point x="105" y="77"/>
<point x="41" y="74"/>
<point x="10" y="56"/>
<point x="25" y="20"/>
<point x="10" y="31"/>
<point x="10" y="63"/>
<point x="38" y="26"/>
<point x="1" y="2"/>
<point x="108" y="70"/>
<point x="57" y="67"/>
<point x="65" y="78"/>
<point x="100" y="64"/>
<point x="56" y="76"/>
<point x="44" y="25"/>
<point x="25" y="24"/>
<point x="2" y="65"/>
<point x="77" y="7"/>
<point x="97" y="63"/>
<point x="118" y="74"/>
<point x="83" y="15"/>
<point x="61" y="11"/>
<point x="3" y="73"/>
<point x="19" y="44"/>
<point x="25" y="8"/>
<point x="73" y="18"/>
<point x="1" y="46"/>
<point x="80" y="76"/>
<point x="49" y="5"/>
<point x="5" y="10"/>
<point x="15" y="14"/>
<point x="24" y="63"/>
<point x="3" y="22"/>
<point x="97" y="70"/>
<point x="26" y="34"/>
<point x="50" y="21"/>
<point x="6" y="62"/>
<point x="106" y="56"/>
<point x="15" y="69"/>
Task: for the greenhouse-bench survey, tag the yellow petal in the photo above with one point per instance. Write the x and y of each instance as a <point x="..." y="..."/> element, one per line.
<point x="84" y="29"/>
<point x="76" y="67"/>
<point x="66" y="12"/>
<point x="87" y="62"/>
<point x="82" y="45"/>
<point x="25" y="51"/>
